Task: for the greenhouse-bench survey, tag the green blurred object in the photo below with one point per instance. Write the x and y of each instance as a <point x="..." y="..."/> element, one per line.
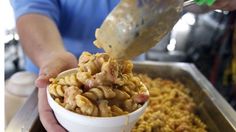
<point x="205" y="2"/>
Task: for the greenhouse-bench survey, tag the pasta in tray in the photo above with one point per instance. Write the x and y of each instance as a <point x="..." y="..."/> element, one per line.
<point x="170" y="109"/>
<point x="102" y="86"/>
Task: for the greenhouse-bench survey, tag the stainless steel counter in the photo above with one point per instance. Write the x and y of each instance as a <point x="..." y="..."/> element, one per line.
<point x="212" y="107"/>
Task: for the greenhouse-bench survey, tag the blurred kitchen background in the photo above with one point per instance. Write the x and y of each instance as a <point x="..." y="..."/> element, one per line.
<point x="208" y="40"/>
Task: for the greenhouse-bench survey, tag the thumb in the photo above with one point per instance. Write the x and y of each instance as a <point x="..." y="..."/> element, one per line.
<point x="54" y="66"/>
<point x="42" y="81"/>
<point x="45" y="74"/>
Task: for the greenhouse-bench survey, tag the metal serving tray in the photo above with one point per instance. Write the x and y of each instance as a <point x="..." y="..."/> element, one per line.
<point x="212" y="107"/>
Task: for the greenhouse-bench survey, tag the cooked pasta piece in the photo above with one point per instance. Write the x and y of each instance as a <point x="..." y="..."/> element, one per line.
<point x="126" y="67"/>
<point x="58" y="100"/>
<point x="69" y="80"/>
<point x="69" y="97"/>
<point x="101" y="92"/>
<point x="95" y="112"/>
<point x="90" y="66"/>
<point x="130" y="105"/>
<point x="85" y="105"/>
<point x="77" y="110"/>
<point x="121" y="95"/>
<point x="84" y="57"/>
<point x="104" y="108"/>
<point x="85" y="79"/>
<point x="56" y="90"/>
<point x="116" y="111"/>
<point x="53" y="81"/>
<point x="140" y="98"/>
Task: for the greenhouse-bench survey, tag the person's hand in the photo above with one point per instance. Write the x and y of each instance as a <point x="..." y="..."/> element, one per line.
<point x="226" y="5"/>
<point x="55" y="63"/>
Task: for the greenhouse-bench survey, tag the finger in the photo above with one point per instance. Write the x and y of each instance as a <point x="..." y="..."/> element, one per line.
<point x="53" y="68"/>
<point x="45" y="74"/>
<point x="41" y="81"/>
<point x="46" y="114"/>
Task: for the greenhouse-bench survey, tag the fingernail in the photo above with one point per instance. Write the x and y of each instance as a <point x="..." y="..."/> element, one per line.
<point x="41" y="77"/>
<point x="41" y="82"/>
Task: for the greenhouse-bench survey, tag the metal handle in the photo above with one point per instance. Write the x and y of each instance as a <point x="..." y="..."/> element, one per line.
<point x="188" y="3"/>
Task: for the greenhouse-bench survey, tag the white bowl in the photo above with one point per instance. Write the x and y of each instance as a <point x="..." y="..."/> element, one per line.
<point x="76" y="122"/>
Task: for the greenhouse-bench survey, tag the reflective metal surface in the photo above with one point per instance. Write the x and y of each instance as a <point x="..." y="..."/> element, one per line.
<point x="212" y="107"/>
<point x="26" y="118"/>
